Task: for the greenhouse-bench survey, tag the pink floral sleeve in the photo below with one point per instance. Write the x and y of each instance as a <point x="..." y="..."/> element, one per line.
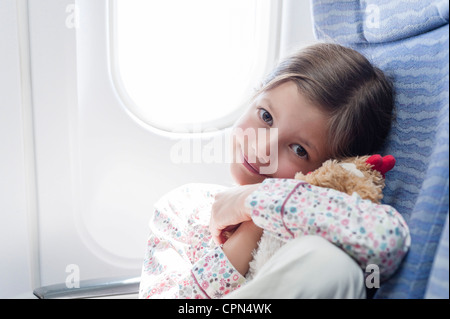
<point x="370" y="233"/>
<point x="181" y="260"/>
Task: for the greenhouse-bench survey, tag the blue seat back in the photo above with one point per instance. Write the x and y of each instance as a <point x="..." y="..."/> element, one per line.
<point x="409" y="40"/>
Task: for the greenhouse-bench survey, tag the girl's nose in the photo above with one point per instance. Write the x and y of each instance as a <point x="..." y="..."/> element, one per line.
<point x="260" y="151"/>
<point x="265" y="145"/>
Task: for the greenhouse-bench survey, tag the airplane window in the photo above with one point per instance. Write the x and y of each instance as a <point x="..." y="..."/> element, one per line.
<point x="181" y="64"/>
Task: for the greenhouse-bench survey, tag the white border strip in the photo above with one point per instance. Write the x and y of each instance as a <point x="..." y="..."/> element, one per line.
<point x="29" y="142"/>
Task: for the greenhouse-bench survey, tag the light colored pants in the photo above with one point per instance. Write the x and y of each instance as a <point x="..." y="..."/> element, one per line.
<point x="307" y="267"/>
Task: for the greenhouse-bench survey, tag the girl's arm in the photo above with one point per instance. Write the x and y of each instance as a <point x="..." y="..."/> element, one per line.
<point x="370" y="233"/>
<point x="240" y="245"/>
<point x="168" y="274"/>
<point x="180" y="261"/>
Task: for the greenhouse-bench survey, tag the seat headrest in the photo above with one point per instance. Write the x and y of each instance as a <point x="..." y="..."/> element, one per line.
<point x="377" y="21"/>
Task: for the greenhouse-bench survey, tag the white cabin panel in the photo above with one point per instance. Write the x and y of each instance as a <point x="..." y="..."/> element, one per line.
<point x="16" y="235"/>
<point x="80" y="170"/>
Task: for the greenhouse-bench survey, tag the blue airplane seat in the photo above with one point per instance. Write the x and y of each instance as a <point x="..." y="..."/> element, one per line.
<point x="409" y="40"/>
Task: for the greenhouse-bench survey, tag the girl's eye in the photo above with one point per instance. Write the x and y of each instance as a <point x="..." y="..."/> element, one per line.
<point x="299" y="150"/>
<point x="265" y="116"/>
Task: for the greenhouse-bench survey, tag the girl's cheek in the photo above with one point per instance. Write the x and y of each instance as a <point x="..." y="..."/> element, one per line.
<point x="288" y="169"/>
<point x="284" y="168"/>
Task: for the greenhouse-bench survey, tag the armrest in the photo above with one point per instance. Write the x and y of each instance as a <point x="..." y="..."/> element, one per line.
<point x="117" y="287"/>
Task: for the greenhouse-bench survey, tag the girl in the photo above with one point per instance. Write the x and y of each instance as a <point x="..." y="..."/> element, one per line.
<point x="326" y="101"/>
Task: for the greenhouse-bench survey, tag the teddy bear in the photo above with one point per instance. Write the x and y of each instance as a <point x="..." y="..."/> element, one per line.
<point x="364" y="175"/>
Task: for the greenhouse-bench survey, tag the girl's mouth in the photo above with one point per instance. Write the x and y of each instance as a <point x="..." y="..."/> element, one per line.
<point x="252" y="169"/>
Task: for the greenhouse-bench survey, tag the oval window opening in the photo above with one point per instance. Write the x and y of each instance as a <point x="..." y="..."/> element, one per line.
<point x="180" y="64"/>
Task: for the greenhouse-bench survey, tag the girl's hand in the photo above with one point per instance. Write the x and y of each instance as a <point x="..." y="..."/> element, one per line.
<point x="228" y="211"/>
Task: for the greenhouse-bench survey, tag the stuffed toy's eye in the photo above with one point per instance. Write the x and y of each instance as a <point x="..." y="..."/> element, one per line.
<point x="352" y="169"/>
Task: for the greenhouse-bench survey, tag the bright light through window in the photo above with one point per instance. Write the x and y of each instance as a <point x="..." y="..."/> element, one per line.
<point x="189" y="62"/>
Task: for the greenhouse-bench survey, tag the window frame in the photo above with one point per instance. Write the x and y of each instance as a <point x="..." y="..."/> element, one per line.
<point x="272" y="45"/>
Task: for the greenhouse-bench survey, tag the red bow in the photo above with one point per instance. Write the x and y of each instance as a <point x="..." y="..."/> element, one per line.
<point x="381" y="164"/>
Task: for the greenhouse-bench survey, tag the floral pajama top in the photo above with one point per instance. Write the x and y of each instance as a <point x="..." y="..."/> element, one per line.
<point x="181" y="260"/>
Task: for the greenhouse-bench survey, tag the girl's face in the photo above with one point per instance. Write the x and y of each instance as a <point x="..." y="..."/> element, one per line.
<point x="281" y="134"/>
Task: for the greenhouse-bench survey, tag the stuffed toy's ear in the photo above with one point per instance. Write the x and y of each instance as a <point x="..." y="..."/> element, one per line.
<point x="381" y="164"/>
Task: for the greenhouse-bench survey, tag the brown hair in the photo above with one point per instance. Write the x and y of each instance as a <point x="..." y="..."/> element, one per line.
<point x="357" y="96"/>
